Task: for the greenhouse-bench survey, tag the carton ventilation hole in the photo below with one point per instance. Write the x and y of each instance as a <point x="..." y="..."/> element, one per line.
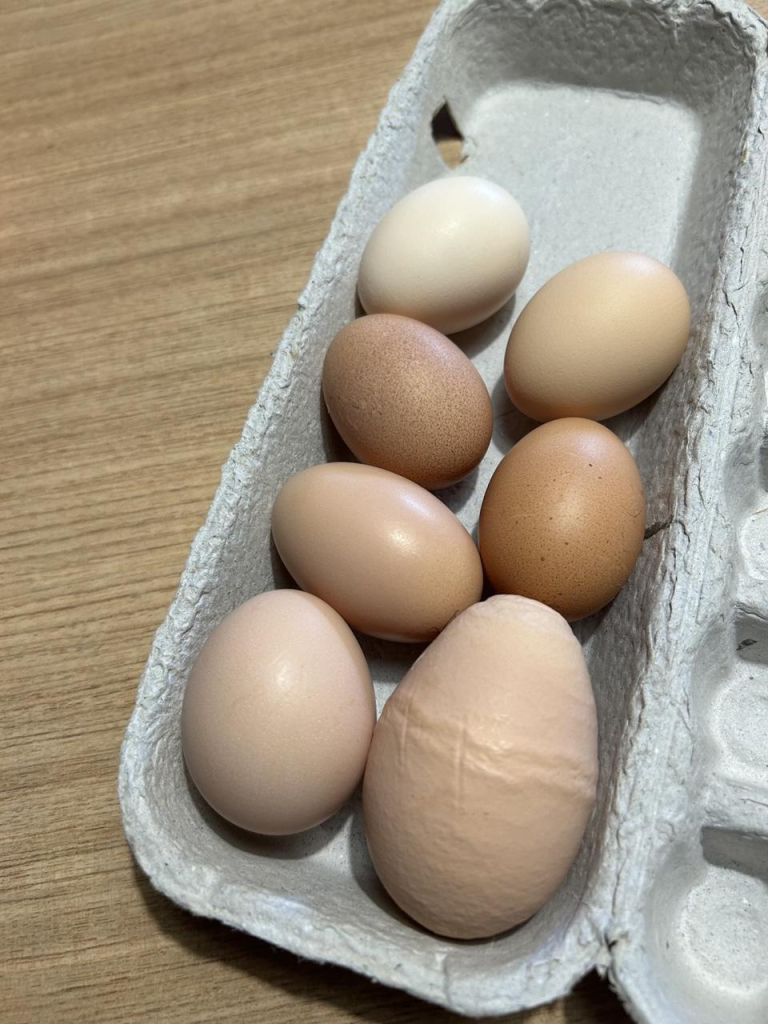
<point x="447" y="137"/>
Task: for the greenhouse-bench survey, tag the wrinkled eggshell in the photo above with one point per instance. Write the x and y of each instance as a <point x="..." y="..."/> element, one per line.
<point x="563" y="518"/>
<point x="278" y="714"/>
<point x="597" y="338"/>
<point x="389" y="556"/>
<point x="449" y="254"/>
<point x="482" y="771"/>
<point x="405" y="398"/>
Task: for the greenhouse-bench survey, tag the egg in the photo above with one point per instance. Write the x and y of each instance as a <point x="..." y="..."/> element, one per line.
<point x="563" y="518"/>
<point x="597" y="338"/>
<point x="278" y="714"/>
<point x="449" y="254"/>
<point x="405" y="398"/>
<point x="385" y="553"/>
<point x="482" y="771"/>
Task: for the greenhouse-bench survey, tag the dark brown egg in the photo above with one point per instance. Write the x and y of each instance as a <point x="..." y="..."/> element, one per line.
<point x="563" y="518"/>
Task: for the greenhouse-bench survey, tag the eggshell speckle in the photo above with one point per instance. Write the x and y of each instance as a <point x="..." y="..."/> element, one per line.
<point x="449" y="254"/>
<point x="482" y="771"/>
<point x="563" y="518"/>
<point x="278" y="714"/>
<point x="385" y="553"/>
<point x="597" y="338"/>
<point x="405" y="398"/>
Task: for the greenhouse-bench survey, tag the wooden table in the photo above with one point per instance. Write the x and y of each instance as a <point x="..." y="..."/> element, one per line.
<point x="168" y="170"/>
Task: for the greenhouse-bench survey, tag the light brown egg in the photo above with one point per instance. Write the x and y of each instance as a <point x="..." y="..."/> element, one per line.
<point x="384" y="552"/>
<point x="597" y="338"/>
<point x="278" y="714"/>
<point x="563" y="518"/>
<point x="482" y="771"/>
<point x="405" y="398"/>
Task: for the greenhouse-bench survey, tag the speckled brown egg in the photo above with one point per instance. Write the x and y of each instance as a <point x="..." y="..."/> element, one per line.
<point x="563" y="518"/>
<point x="405" y="398"/>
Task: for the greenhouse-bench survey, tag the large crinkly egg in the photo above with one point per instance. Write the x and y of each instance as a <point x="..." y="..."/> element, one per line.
<point x="482" y="771"/>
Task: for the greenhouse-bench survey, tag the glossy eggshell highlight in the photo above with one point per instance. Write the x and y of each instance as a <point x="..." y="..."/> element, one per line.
<point x="384" y="552"/>
<point x="482" y="771"/>
<point x="563" y="518"/>
<point x="405" y="398"/>
<point x="278" y="714"/>
<point x="597" y="338"/>
<point x="449" y="254"/>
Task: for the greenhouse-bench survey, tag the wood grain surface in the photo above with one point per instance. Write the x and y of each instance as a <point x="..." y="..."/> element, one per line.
<point x="168" y="170"/>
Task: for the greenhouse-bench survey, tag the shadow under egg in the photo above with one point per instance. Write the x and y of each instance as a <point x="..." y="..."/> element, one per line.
<point x="509" y="424"/>
<point x="475" y="340"/>
<point x="282" y="847"/>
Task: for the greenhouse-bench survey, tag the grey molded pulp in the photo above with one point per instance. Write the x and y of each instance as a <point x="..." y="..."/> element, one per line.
<point x="617" y="124"/>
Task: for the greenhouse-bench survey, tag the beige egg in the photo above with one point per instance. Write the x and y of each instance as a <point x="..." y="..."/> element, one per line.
<point x="405" y="398"/>
<point x="449" y="254"/>
<point x="278" y="714"/>
<point x="597" y="338"/>
<point x="482" y="771"/>
<point x="384" y="552"/>
<point x="563" y="518"/>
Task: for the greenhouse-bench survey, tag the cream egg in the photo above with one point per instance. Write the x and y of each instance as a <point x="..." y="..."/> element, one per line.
<point x="449" y="254"/>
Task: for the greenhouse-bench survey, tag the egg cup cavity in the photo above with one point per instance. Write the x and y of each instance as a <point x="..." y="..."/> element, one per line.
<point x="617" y="124"/>
<point x="737" y="715"/>
<point x="705" y="926"/>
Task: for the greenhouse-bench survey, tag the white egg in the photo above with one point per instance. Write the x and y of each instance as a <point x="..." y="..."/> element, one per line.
<point x="449" y="254"/>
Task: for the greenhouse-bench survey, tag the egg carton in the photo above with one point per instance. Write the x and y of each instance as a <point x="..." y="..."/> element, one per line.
<point x="627" y="124"/>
